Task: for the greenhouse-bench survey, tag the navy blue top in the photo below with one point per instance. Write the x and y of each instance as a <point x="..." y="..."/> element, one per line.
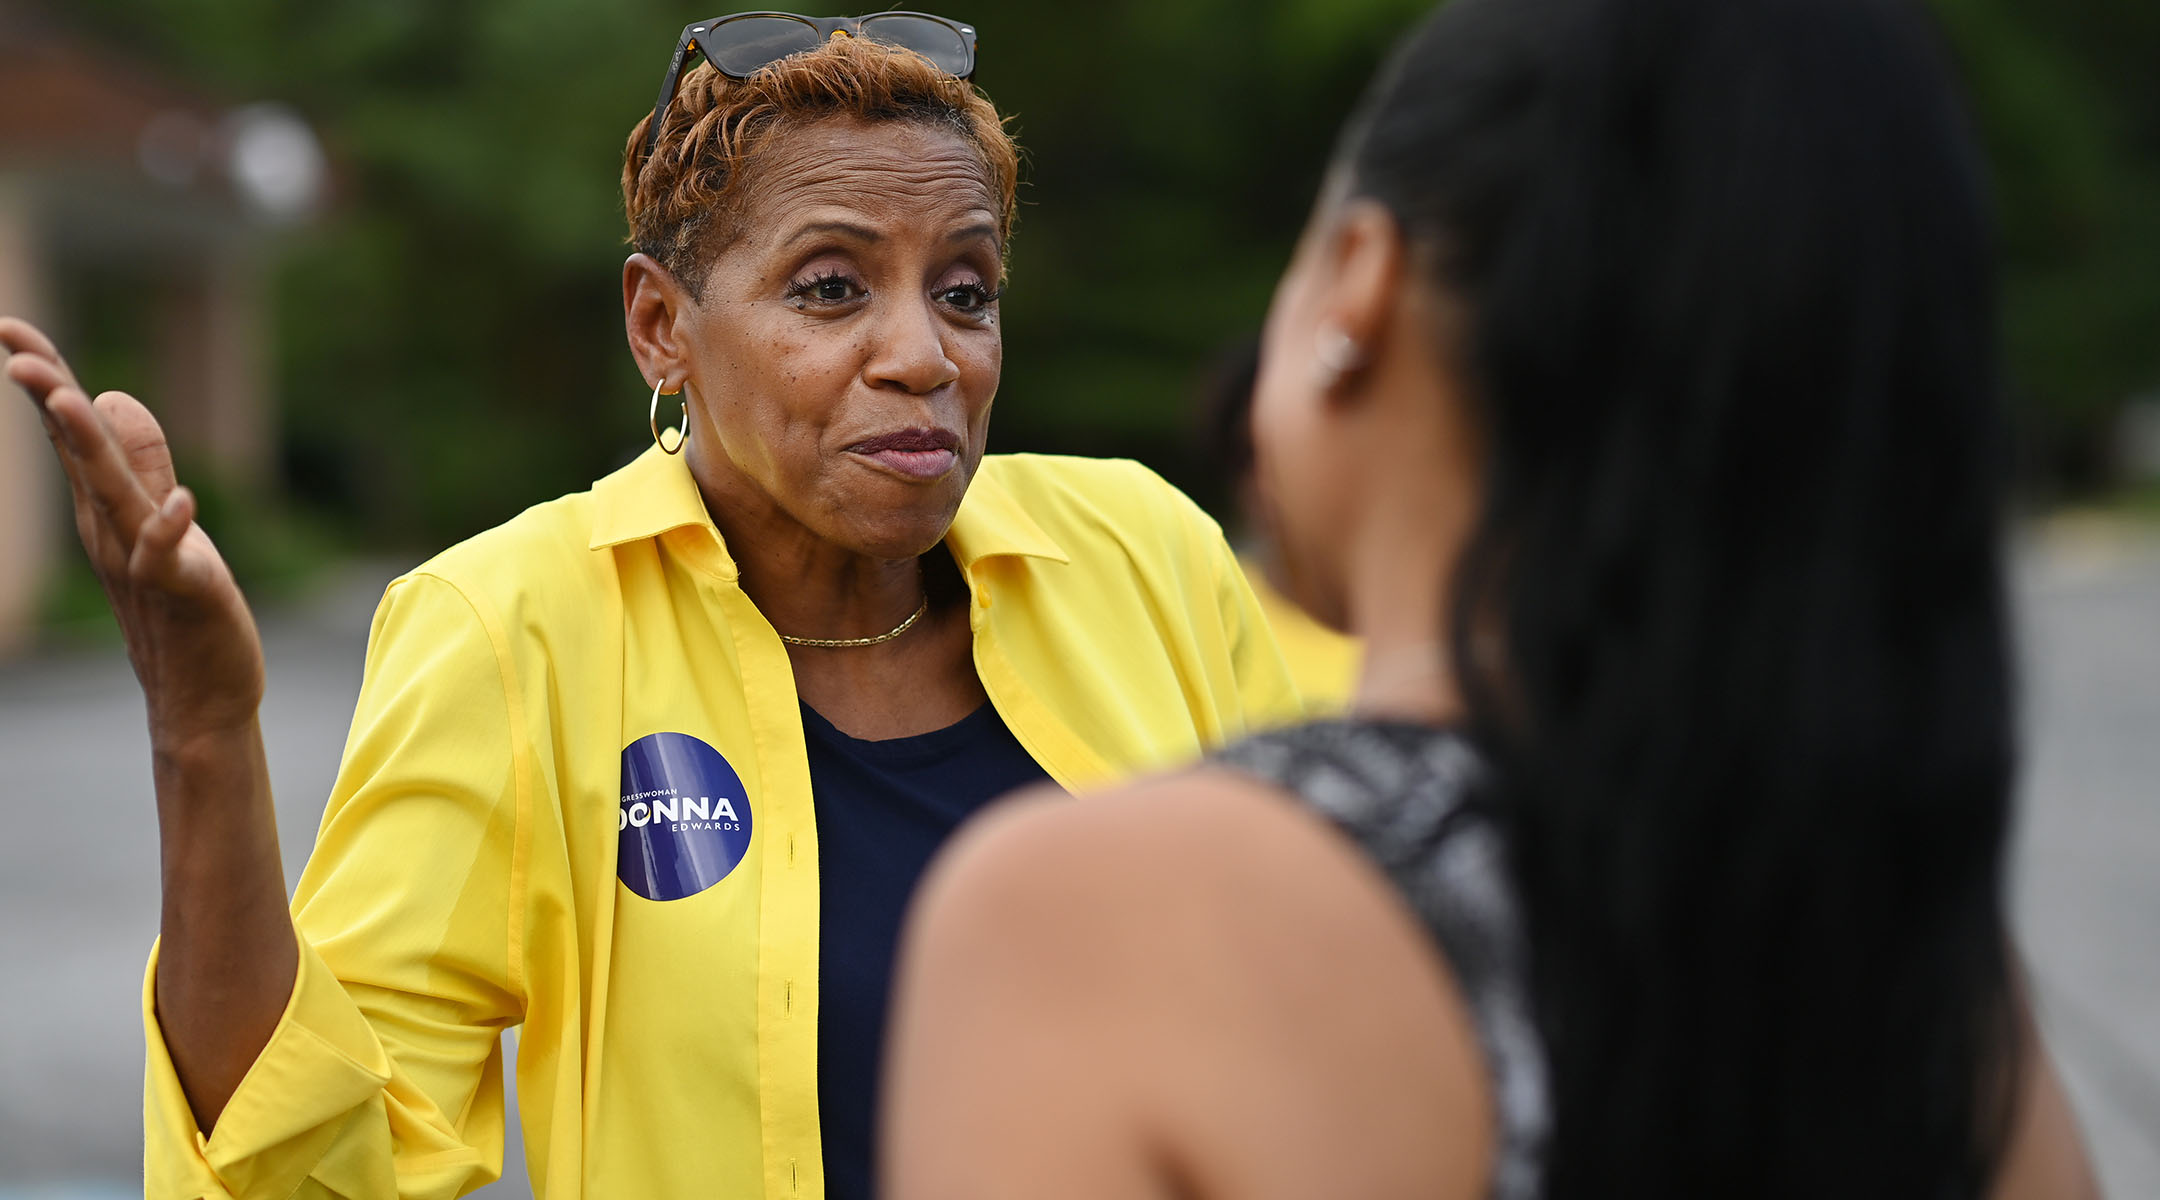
<point x="883" y="808"/>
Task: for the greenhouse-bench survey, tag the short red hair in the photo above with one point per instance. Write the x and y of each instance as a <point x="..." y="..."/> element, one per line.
<point x="685" y="203"/>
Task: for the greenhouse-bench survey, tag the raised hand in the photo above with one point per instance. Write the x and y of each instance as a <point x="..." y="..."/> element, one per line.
<point x="189" y="635"/>
<point x="227" y="955"/>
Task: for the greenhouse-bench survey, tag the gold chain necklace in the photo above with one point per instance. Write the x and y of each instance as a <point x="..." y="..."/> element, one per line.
<point x="845" y="643"/>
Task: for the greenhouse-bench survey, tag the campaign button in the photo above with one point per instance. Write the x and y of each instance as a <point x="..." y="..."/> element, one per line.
<point x="684" y="821"/>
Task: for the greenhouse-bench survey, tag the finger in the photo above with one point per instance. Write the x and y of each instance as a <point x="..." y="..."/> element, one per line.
<point x="35" y="364"/>
<point x="101" y="465"/>
<point x="43" y="381"/>
<point x="142" y="441"/>
<point x="38" y="376"/>
<point x="155" y="560"/>
<point x="65" y="408"/>
<point x="20" y="337"/>
<point x="62" y="408"/>
<point x="55" y="432"/>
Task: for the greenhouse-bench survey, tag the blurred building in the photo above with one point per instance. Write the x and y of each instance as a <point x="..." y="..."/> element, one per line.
<point x="115" y="177"/>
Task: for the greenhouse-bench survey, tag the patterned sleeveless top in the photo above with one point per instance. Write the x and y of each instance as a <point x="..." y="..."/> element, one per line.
<point x="1402" y="793"/>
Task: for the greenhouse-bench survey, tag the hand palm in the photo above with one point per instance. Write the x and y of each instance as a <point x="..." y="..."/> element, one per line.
<point x="189" y="634"/>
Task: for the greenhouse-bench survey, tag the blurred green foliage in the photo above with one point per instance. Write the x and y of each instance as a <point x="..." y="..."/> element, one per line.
<point x="2065" y="97"/>
<point x="449" y="344"/>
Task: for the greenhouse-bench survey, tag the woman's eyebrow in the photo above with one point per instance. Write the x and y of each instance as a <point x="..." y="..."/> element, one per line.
<point x="847" y="229"/>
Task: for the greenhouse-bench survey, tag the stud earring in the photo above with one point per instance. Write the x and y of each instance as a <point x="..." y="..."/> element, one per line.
<point x="1335" y="356"/>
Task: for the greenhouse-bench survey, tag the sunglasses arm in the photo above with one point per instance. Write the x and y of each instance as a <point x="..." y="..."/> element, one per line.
<point x="668" y="84"/>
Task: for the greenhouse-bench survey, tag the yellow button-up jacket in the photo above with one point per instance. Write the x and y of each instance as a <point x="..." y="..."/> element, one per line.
<point x="465" y="878"/>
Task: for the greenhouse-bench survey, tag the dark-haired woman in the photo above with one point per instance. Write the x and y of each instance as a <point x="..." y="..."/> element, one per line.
<point x="1631" y="393"/>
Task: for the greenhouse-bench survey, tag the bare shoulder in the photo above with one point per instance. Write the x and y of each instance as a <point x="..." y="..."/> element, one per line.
<point x="1221" y="971"/>
<point x="1044" y="884"/>
<point x="1136" y="836"/>
<point x="1091" y="867"/>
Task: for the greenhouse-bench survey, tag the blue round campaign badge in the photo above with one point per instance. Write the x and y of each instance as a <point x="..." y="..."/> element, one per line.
<point x="685" y="817"/>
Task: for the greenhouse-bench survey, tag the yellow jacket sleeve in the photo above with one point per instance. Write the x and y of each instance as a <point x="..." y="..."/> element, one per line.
<point x="1265" y="682"/>
<point x="384" y="1075"/>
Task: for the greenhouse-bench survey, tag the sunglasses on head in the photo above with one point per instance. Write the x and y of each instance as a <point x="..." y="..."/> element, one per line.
<point x="738" y="46"/>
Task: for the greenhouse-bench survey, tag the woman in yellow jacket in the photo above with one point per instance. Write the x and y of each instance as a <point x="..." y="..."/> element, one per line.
<point x="650" y="770"/>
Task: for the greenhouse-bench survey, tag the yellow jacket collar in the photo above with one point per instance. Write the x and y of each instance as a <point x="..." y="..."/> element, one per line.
<point x="645" y="499"/>
<point x="655" y="493"/>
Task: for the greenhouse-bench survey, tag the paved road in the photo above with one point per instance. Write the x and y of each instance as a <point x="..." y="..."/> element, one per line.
<point x="2088" y="867"/>
<point x="78" y="862"/>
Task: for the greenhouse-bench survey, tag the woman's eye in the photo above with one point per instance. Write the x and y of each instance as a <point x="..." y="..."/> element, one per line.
<point x="968" y="297"/>
<point x="825" y="289"/>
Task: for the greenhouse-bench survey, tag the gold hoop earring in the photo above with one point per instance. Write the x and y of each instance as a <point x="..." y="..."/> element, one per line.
<point x="652" y="416"/>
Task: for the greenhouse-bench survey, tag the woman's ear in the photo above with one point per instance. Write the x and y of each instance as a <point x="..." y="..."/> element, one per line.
<point x="1364" y="259"/>
<point x="654" y="310"/>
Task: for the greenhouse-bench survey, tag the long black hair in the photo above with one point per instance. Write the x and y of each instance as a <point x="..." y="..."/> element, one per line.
<point x="1727" y="264"/>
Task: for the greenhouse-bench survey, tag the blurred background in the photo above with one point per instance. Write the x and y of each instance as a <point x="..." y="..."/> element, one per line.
<point x="362" y="257"/>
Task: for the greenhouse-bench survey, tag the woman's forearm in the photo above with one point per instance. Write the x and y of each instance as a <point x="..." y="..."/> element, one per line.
<point x="227" y="955"/>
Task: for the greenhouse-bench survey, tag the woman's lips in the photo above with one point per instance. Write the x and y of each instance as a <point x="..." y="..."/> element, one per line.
<point x="916" y="464"/>
<point x="915" y="453"/>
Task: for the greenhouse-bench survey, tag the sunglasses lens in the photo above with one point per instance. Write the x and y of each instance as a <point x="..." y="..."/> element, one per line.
<point x="934" y="40"/>
<point x="738" y="48"/>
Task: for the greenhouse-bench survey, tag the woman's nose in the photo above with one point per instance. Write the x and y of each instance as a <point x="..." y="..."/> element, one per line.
<point x="910" y="352"/>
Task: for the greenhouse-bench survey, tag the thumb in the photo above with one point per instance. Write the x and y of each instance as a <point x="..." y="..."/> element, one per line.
<point x="155" y="561"/>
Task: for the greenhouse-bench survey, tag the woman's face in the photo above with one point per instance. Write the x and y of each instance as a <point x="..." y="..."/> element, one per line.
<point x="842" y="360"/>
